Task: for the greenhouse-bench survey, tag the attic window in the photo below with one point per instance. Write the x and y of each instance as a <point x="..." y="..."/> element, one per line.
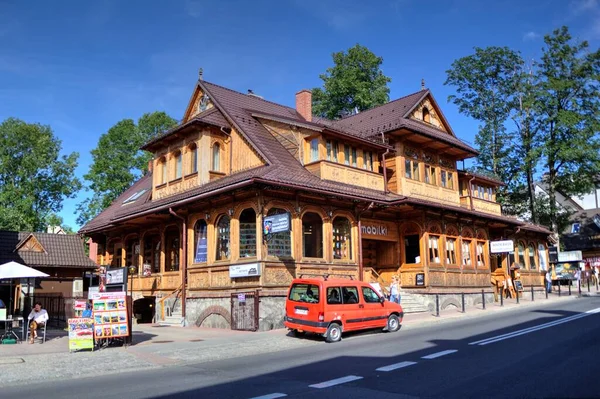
<point x="426" y="117"/>
<point x="134" y="197"/>
<point x="203" y="103"/>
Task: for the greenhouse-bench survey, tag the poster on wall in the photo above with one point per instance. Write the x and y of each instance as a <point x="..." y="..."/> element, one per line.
<point x="81" y="334"/>
<point x="110" y="315"/>
<point x="276" y="224"/>
<point x="201" y="246"/>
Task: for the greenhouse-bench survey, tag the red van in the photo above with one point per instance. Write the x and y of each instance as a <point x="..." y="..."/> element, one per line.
<point x="330" y="306"/>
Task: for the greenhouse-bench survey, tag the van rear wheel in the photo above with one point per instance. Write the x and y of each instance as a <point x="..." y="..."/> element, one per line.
<point x="334" y="333"/>
<point x="393" y="323"/>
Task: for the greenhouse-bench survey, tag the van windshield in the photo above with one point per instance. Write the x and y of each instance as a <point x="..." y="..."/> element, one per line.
<point x="304" y="293"/>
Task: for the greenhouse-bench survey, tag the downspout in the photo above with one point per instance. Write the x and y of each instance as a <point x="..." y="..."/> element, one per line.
<point x="230" y="148"/>
<point x="183" y="260"/>
<point x="387" y="151"/>
<point x="471" y="192"/>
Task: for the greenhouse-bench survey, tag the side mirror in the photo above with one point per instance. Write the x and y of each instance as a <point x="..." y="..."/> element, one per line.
<point x="381" y="299"/>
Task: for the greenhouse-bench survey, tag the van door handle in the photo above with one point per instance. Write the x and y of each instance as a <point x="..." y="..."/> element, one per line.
<point x="361" y="306"/>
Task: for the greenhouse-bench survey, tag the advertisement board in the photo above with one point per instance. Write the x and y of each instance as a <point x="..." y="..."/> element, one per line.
<point x="81" y="334"/>
<point x="110" y="315"/>
<point x="247" y="270"/>
<point x="570" y="256"/>
<point x="566" y="270"/>
<point x="497" y="247"/>
<point x="276" y="224"/>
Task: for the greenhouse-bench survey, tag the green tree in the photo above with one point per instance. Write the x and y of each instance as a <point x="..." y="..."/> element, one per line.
<point x="568" y="117"/>
<point x="118" y="161"/>
<point x="355" y="82"/>
<point x="55" y="220"/>
<point x="34" y="178"/>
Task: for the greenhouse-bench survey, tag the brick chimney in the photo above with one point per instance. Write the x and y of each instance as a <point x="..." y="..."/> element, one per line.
<point x="304" y="104"/>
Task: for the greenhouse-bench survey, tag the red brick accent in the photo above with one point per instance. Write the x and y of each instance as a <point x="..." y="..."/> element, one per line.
<point x="304" y="104"/>
<point x="214" y="309"/>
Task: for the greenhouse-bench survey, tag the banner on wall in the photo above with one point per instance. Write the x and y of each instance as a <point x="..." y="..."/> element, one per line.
<point x="276" y="224"/>
<point x="201" y="246"/>
<point x="110" y="315"/>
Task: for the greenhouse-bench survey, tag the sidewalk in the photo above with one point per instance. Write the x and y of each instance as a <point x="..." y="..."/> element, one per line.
<point x="157" y="346"/>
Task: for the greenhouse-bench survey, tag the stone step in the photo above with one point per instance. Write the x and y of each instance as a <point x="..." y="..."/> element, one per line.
<point x="174" y="320"/>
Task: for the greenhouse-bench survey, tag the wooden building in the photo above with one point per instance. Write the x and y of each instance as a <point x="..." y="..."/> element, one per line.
<point x="374" y="194"/>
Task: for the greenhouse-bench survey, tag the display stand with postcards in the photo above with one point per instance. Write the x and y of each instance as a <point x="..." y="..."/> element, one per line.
<point x="110" y="315"/>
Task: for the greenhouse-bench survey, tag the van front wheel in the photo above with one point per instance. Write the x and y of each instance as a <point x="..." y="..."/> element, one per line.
<point x="393" y="323"/>
<point x="334" y="333"/>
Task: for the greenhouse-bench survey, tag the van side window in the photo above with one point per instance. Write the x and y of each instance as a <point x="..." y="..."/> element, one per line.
<point x="304" y="293"/>
<point x="350" y="295"/>
<point x="333" y="295"/>
<point x="369" y="295"/>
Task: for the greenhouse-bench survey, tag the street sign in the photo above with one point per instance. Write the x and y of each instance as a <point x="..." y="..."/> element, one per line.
<point x="570" y="256"/>
<point x="241" y="297"/>
<point x="497" y="247"/>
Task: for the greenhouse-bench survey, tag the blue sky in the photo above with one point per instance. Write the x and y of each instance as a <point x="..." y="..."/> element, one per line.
<point x="81" y="66"/>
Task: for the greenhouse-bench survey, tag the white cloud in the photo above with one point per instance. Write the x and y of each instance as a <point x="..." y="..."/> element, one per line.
<point x="193" y="8"/>
<point x="530" y="36"/>
<point x="583" y="6"/>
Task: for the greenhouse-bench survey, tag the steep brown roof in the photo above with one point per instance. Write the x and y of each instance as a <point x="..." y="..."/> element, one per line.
<point x="61" y="250"/>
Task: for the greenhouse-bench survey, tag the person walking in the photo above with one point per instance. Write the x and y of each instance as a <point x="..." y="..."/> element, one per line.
<point x="395" y="290"/>
<point x="548" y="281"/>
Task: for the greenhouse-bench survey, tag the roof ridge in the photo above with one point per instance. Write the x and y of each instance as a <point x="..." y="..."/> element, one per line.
<point x="388" y="103"/>
<point x="255" y="96"/>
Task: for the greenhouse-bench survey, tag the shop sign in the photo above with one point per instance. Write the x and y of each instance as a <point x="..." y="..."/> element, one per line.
<point x="570" y="256"/>
<point x="201" y="246"/>
<point x="247" y="270"/>
<point x="374" y="230"/>
<point x="276" y="224"/>
<point x="420" y="279"/>
<point x="81" y="334"/>
<point x="116" y="276"/>
<point x="497" y="247"/>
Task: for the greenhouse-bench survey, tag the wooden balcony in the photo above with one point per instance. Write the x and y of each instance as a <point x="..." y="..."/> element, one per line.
<point x="481" y="205"/>
<point x="346" y="174"/>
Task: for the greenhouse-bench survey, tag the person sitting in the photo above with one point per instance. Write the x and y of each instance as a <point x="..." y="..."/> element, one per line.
<point x="37" y="318"/>
<point x="334" y="297"/>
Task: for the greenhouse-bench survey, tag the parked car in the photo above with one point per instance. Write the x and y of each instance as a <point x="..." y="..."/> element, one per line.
<point x="331" y="306"/>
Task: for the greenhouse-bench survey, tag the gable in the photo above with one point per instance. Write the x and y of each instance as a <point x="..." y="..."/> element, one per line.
<point x="427" y="111"/>
<point x="199" y="102"/>
<point x="30" y="244"/>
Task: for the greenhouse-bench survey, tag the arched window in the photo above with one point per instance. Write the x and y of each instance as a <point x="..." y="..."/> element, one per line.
<point x="193" y="158"/>
<point x="162" y="169"/>
<point x="248" y="233"/>
<point x="152" y="252"/>
<point x="172" y="249"/>
<point x="279" y="244"/>
<point x="521" y="254"/>
<point x="132" y="252"/>
<point x="216" y="158"/>
<point x="531" y="254"/>
<point x="178" y="161"/>
<point x="312" y="235"/>
<point x="426" y="116"/>
<point x="200" y="242"/>
<point x="342" y="238"/>
<point x="223" y="238"/>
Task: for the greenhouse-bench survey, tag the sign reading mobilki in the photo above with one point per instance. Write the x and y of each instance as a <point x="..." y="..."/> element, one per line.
<point x="375" y="230"/>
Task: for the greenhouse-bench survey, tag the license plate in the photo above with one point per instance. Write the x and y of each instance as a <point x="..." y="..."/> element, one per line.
<point x="301" y="311"/>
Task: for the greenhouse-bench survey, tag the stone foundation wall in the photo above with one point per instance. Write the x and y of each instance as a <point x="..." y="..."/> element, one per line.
<point x="453" y="301"/>
<point x="271" y="312"/>
<point x="209" y="312"/>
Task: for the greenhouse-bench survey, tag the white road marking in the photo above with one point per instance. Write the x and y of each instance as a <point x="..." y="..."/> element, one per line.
<point x="396" y="366"/>
<point x="439" y="354"/>
<point x="271" y="396"/>
<point x="524" y="331"/>
<point x="337" y="381"/>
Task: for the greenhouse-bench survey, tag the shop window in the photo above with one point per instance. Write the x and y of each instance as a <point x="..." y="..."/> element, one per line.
<point x="132" y="252"/>
<point x="314" y="150"/>
<point x="193" y="158"/>
<point x="466" y="253"/>
<point x="450" y="251"/>
<point x="354" y="157"/>
<point x="248" y="233"/>
<point x="178" y="164"/>
<point x="434" y="249"/>
<point x="531" y="253"/>
<point x="223" y="231"/>
<point x="312" y="235"/>
<point x="172" y="250"/>
<point x="480" y="253"/>
<point x="152" y="252"/>
<point x="346" y="154"/>
<point x="279" y="244"/>
<point x="342" y="238"/>
<point x="426" y="116"/>
<point x="521" y="254"/>
<point x="200" y="242"/>
<point x="412" y="249"/>
<point x="216" y="158"/>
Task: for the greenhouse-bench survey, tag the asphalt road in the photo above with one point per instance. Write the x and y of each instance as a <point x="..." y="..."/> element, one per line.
<point x="547" y="351"/>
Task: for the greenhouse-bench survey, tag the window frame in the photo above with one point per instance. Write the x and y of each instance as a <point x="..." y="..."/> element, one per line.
<point x="219" y="236"/>
<point x="346" y="154"/>
<point x="313" y="149"/>
<point x="317" y="234"/>
<point x="347" y="239"/>
<point x="431" y="251"/>
<point x="241" y="254"/>
<point x="178" y="156"/>
<point x="469" y="246"/>
<point x="216" y="158"/>
<point x="452" y="260"/>
<point x="531" y="255"/>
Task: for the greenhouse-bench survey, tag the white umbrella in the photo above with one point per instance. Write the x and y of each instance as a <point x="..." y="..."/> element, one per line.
<point x="17" y="270"/>
<point x="13" y="270"/>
